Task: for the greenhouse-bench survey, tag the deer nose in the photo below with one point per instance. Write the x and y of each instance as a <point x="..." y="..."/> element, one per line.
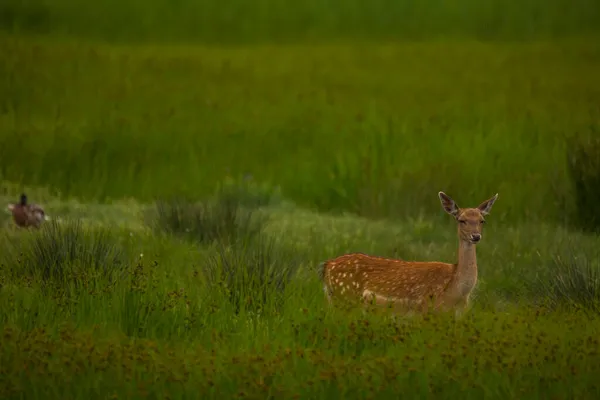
<point x="475" y="237"/>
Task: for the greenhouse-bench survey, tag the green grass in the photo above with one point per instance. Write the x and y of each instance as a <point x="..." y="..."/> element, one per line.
<point x="372" y="128"/>
<point x="167" y="328"/>
<point x="327" y="127"/>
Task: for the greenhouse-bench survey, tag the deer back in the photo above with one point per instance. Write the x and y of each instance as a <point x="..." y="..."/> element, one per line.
<point x="358" y="275"/>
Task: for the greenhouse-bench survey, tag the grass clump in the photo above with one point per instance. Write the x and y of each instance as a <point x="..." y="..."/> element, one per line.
<point x="584" y="170"/>
<point x="573" y="280"/>
<point x="253" y="274"/>
<point x="228" y="216"/>
<point x="62" y="253"/>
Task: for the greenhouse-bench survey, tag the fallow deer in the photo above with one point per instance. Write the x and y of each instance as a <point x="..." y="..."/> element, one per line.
<point x="412" y="286"/>
<point x="26" y="214"/>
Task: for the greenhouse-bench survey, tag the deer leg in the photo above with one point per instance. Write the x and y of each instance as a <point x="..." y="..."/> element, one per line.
<point x="327" y="294"/>
<point x="461" y="308"/>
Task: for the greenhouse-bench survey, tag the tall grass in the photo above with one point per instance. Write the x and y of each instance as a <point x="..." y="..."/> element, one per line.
<point x="62" y="254"/>
<point x="280" y="20"/>
<point x="376" y="129"/>
<point x="254" y="273"/>
<point x="572" y="280"/>
<point x="584" y="171"/>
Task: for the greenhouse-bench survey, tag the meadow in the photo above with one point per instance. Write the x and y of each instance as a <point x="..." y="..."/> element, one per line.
<point x="199" y="160"/>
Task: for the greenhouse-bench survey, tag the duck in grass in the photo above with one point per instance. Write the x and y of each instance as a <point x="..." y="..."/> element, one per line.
<point x="26" y="214"/>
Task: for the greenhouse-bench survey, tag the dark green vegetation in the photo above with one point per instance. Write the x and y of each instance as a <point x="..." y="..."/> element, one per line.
<point x="181" y="176"/>
<point x="242" y="21"/>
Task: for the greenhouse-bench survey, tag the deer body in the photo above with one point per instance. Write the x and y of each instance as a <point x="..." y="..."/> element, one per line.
<point x="412" y="286"/>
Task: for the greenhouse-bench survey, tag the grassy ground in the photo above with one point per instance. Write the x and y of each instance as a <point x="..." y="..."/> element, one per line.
<point x="164" y="327"/>
<point x="328" y="128"/>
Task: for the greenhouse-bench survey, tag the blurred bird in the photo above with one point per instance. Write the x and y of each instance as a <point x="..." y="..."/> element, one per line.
<point x="27" y="215"/>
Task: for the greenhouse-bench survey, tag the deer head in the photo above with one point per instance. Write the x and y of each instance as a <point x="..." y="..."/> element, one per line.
<point x="470" y="220"/>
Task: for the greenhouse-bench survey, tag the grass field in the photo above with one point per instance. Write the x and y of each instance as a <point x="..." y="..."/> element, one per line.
<point x="373" y="129"/>
<point x="163" y="327"/>
<point x="275" y="135"/>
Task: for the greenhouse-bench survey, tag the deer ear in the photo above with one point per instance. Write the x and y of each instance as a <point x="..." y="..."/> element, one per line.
<point x="448" y="204"/>
<point x="486" y="206"/>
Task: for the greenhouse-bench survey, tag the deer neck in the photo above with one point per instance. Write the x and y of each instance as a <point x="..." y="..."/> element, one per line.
<point x="465" y="275"/>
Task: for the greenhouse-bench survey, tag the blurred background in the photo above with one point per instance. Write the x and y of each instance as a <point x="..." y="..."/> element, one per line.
<point x="366" y="106"/>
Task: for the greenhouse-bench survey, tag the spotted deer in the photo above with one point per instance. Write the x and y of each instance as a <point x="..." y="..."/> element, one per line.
<point x="412" y="286"/>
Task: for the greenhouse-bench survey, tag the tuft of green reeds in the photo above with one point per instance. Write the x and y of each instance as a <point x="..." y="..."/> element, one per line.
<point x="65" y="254"/>
<point x="228" y="216"/>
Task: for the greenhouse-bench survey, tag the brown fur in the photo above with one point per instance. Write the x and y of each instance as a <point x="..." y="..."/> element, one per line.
<point x="408" y="285"/>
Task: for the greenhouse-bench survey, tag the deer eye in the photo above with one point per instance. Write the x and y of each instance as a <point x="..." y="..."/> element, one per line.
<point x="482" y="221"/>
<point x="462" y="221"/>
